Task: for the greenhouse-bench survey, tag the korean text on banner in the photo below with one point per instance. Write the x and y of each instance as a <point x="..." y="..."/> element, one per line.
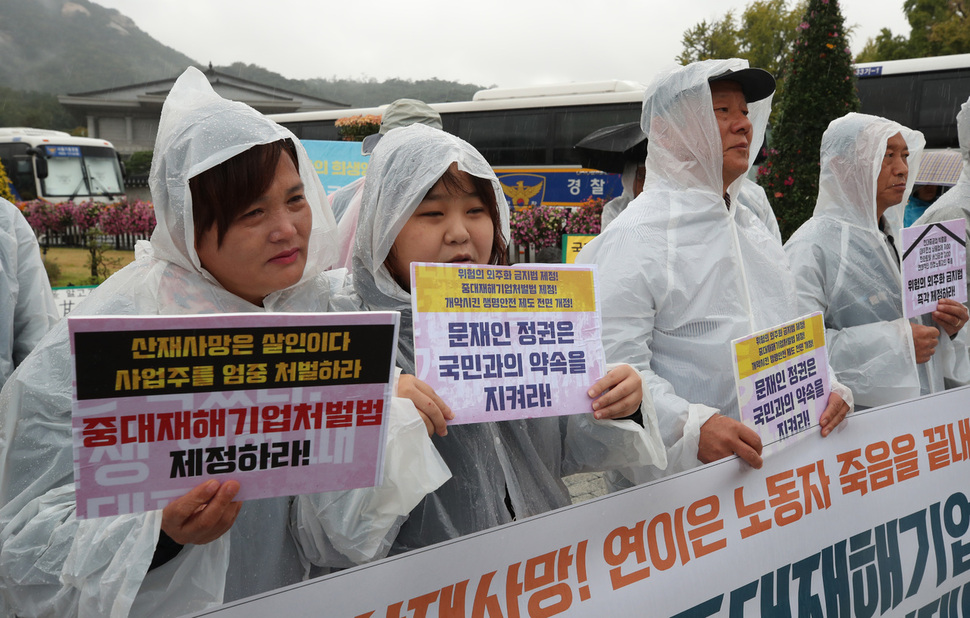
<point x="337" y="163"/>
<point x="284" y="403"/>
<point x="498" y="342"/>
<point x="782" y="377"/>
<point x="934" y="265"/>
<point x="873" y="520"/>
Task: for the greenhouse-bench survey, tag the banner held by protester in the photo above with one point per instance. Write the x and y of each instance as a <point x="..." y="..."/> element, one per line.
<point x="499" y="342"/>
<point x="873" y="519"/>
<point x="286" y="403"/>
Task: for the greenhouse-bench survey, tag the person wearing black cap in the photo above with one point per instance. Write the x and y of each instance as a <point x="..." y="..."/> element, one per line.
<point x="687" y="267"/>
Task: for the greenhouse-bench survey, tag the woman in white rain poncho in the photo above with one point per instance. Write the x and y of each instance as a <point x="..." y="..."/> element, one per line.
<point x="495" y="466"/>
<point x="27" y="309"/>
<point x="846" y="264"/>
<point x="955" y="203"/>
<point x="687" y="267"/>
<point x="54" y="565"/>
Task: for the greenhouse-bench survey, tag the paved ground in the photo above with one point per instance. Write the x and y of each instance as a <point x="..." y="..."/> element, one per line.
<point x="582" y="487"/>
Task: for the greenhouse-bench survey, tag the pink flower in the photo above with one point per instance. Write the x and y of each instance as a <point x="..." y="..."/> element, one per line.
<point x="803" y="25"/>
<point x="789" y="181"/>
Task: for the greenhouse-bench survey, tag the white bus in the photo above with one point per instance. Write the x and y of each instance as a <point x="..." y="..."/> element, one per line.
<point x="527" y="134"/>
<point x="921" y="93"/>
<point x="57" y="167"/>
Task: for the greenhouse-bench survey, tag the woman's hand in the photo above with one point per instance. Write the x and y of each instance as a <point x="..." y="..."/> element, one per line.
<point x="623" y="393"/>
<point x="202" y="515"/>
<point x="833" y="414"/>
<point x="433" y="410"/>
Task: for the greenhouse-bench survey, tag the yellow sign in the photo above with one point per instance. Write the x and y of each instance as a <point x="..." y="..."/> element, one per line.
<point x="773" y="346"/>
<point x="572" y="244"/>
<point x="443" y="288"/>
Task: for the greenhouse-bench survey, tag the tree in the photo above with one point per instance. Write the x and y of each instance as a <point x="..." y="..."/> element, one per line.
<point x="819" y="87"/>
<point x="763" y="37"/>
<point x="937" y="28"/>
<point x="5" y="191"/>
<point x="717" y="39"/>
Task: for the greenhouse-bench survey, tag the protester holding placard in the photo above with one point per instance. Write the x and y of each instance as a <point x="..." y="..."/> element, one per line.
<point x="431" y="197"/>
<point x="688" y="267"/>
<point x="243" y="226"/>
<point x="847" y="265"/>
<point x="955" y="203"/>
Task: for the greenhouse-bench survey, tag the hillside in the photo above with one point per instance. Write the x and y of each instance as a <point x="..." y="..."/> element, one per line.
<point x="61" y="46"/>
<point x="70" y="46"/>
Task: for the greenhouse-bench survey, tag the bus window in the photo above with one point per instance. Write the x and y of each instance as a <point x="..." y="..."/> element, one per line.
<point x="512" y="138"/>
<point x="317" y="131"/>
<point x="575" y="123"/>
<point x="103" y="172"/>
<point x="939" y="104"/>
<point x="889" y="96"/>
<point x="19" y="169"/>
<point x="64" y="178"/>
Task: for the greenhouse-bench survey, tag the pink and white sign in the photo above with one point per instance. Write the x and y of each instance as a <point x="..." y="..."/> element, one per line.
<point x="284" y="403"/>
<point x="782" y="376"/>
<point x="499" y="343"/>
<point x="934" y="265"/>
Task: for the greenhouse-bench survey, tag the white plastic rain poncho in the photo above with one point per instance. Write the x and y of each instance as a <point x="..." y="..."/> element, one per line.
<point x="618" y="204"/>
<point x="955" y="203"/>
<point x="54" y="565"/>
<point x="27" y="307"/>
<point x="845" y="267"/>
<point x="753" y="195"/>
<point x="681" y="274"/>
<point x="519" y="461"/>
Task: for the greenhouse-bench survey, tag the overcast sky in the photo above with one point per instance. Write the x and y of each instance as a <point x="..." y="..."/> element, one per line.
<point x="507" y="43"/>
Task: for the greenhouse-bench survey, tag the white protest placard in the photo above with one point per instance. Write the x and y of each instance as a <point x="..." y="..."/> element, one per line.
<point x="284" y="403"/>
<point x="934" y="265"/>
<point x="873" y="520"/>
<point x="68" y="298"/>
<point x="498" y="342"/>
<point x="782" y="377"/>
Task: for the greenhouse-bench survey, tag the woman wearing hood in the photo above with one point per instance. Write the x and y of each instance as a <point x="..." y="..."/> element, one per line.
<point x="847" y="265"/>
<point x="243" y="226"/>
<point x="419" y="180"/>
<point x="688" y="267"/>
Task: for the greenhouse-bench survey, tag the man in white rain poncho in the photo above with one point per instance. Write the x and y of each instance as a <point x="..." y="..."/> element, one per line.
<point x="846" y="264"/>
<point x="26" y="302"/>
<point x="955" y="203"/>
<point x="52" y="564"/>
<point x="687" y="268"/>
<point x="499" y="470"/>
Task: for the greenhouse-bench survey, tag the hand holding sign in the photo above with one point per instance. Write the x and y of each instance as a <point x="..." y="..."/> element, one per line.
<point x="924" y="342"/>
<point x="620" y="392"/>
<point x="722" y="437"/>
<point x="433" y="410"/>
<point x="950" y="315"/>
<point x="202" y="515"/>
<point x="834" y="413"/>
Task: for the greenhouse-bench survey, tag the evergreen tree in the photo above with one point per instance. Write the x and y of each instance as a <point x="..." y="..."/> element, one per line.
<point x="819" y="87"/>
<point x="5" y="191"/>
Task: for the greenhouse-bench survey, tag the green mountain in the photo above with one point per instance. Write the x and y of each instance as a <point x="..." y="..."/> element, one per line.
<point x="70" y="46"/>
<point x="66" y="46"/>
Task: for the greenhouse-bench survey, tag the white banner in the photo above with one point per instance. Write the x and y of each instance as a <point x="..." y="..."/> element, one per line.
<point x="870" y="521"/>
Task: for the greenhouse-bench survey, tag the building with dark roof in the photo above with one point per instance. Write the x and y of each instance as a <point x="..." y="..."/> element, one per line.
<point x="127" y="116"/>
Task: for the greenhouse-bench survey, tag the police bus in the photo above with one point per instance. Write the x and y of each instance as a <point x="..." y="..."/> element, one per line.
<point x="57" y="167"/>
<point x="920" y="93"/>
<point x="527" y="134"/>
